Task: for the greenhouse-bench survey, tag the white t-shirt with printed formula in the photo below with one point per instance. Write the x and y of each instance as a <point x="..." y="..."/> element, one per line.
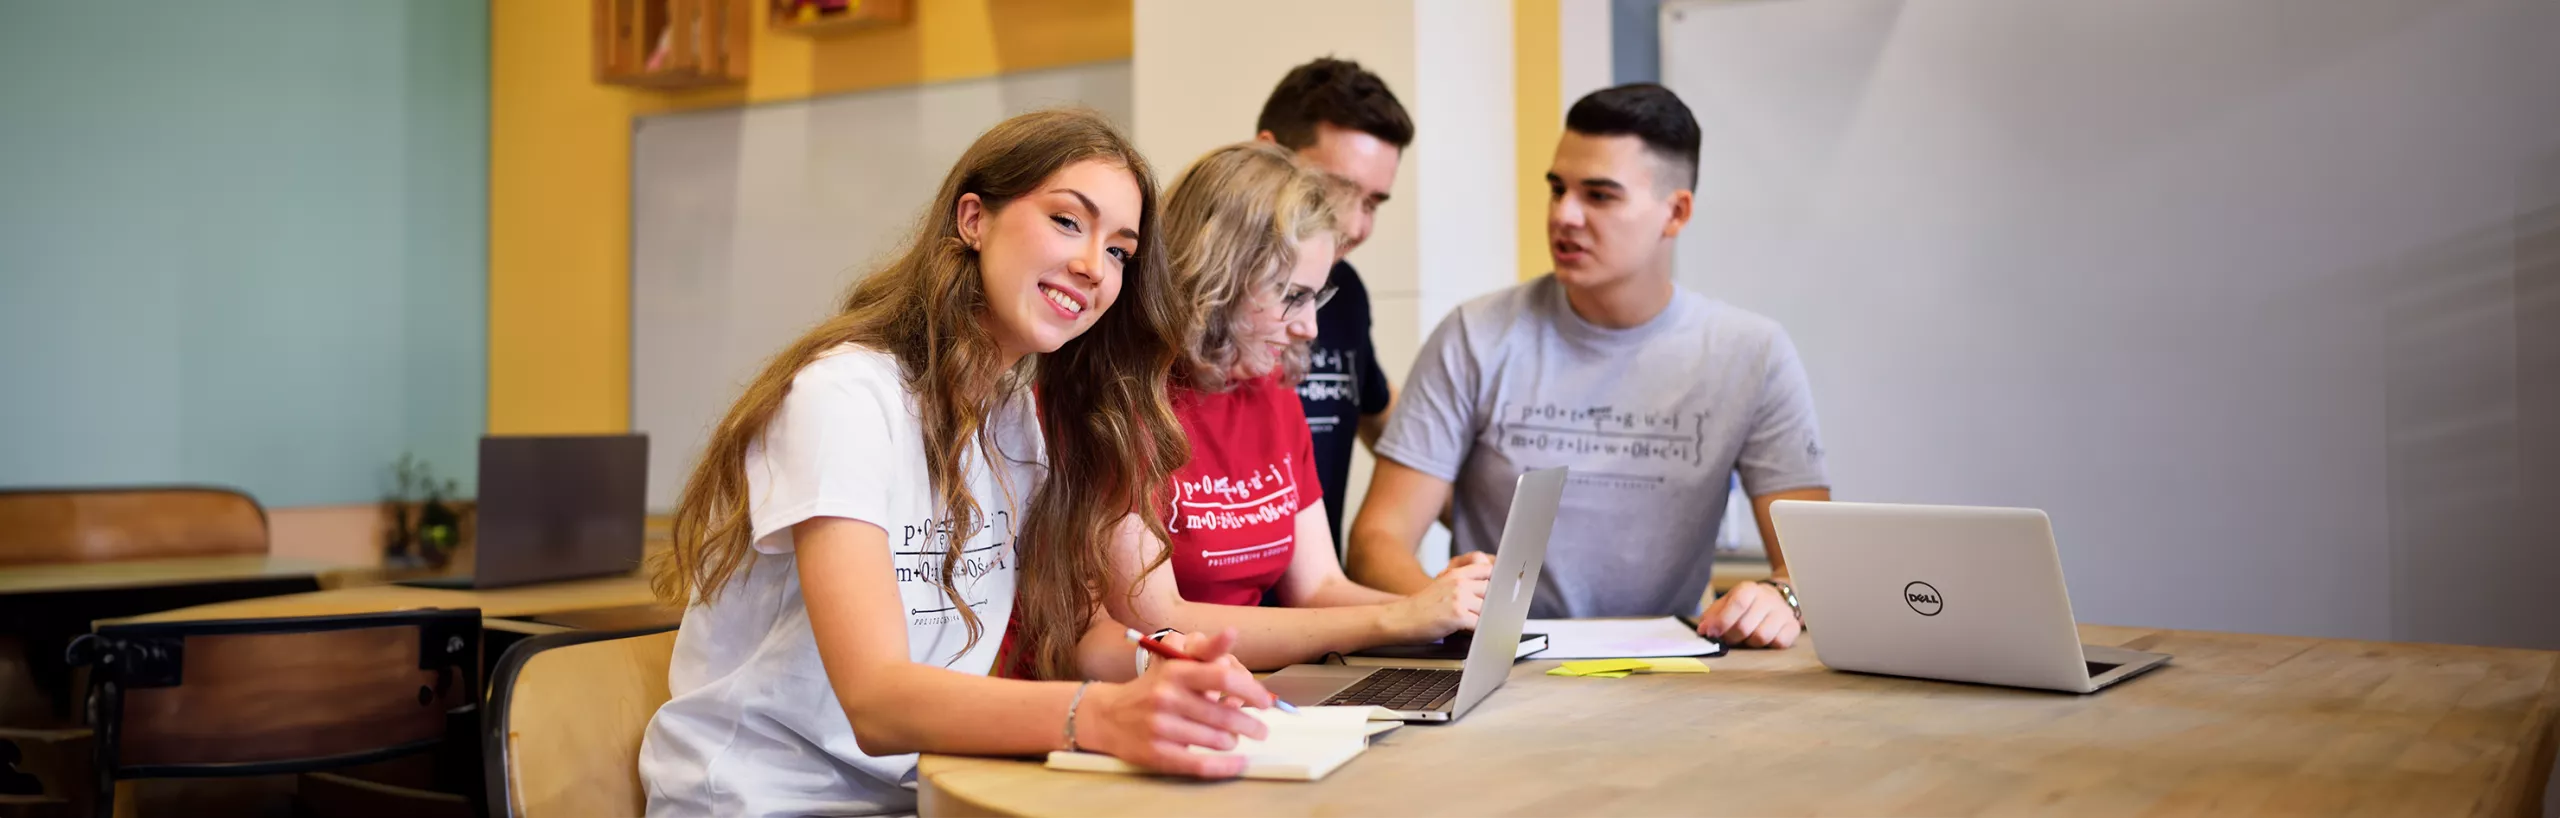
<point x="753" y="728"/>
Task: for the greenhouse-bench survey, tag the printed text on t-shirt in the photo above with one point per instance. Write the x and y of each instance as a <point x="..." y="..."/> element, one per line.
<point x="1330" y="376"/>
<point x="1608" y="431"/>
<point x="1224" y="502"/>
<point x="919" y="559"/>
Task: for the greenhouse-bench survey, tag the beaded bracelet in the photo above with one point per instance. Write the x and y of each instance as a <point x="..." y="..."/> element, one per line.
<point x="1071" y="715"/>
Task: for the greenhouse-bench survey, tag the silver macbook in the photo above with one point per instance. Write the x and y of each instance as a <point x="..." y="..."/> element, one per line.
<point x="1441" y="694"/>
<point x="1942" y="592"/>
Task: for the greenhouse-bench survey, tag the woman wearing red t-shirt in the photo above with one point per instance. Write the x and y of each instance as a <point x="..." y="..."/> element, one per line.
<point x="1250" y="235"/>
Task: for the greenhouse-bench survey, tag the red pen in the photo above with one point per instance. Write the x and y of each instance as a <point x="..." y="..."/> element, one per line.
<point x="1166" y="651"/>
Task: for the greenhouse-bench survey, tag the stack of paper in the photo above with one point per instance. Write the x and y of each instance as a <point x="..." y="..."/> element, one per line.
<point x="1612" y="638"/>
<point x="1621" y="668"/>
<point x="1301" y="747"/>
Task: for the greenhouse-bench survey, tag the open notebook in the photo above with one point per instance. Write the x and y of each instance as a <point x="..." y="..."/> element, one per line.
<point x="1301" y="747"/>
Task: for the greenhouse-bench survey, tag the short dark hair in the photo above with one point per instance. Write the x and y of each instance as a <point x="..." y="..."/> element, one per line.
<point x="1648" y="112"/>
<point x="1336" y="92"/>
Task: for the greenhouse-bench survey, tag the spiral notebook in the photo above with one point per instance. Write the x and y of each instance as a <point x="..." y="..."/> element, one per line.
<point x="1301" y="747"/>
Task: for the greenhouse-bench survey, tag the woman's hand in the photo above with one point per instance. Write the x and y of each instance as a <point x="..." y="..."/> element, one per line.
<point x="1176" y="705"/>
<point x="1183" y="641"/>
<point x="1452" y="603"/>
<point x="1470" y="558"/>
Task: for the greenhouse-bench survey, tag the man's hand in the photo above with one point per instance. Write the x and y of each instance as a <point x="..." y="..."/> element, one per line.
<point x="1752" y="615"/>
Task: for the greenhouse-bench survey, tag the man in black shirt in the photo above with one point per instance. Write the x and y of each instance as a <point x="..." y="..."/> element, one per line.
<point x="1342" y="118"/>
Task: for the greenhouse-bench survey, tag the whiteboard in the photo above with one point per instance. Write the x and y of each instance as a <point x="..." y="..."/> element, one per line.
<point x="2233" y="290"/>
<point x="749" y="224"/>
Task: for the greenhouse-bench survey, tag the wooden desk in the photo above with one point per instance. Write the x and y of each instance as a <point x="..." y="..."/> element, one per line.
<point x="2238" y="724"/>
<point x="521" y="601"/>
<point x="151" y="573"/>
<point x="612" y="619"/>
<point x="43" y="607"/>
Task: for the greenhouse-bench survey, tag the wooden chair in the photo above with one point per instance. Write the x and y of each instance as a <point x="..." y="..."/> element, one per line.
<point x="566" y="712"/>
<point x="122" y="523"/>
<point x="326" y="795"/>
<point x="414" y="786"/>
<point x="246" y="697"/>
<point x="43" y="772"/>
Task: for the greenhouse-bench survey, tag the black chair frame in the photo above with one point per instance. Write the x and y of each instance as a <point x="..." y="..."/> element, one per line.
<point x="149" y="655"/>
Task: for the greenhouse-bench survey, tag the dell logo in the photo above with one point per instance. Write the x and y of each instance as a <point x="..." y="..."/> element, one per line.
<point x="1923" y="598"/>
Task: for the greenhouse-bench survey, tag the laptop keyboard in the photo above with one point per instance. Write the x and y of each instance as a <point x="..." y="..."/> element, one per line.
<point x="2096" y="668"/>
<point x="1400" y="688"/>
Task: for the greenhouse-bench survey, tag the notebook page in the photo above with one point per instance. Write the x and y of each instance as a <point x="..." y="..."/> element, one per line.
<point x="1627" y="638"/>
<point x="1301" y="747"/>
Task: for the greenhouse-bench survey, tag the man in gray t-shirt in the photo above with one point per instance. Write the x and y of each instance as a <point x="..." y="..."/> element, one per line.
<point x="1655" y="397"/>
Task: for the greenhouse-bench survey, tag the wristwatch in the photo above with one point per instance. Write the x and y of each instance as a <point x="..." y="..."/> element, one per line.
<point x="1145" y="658"/>
<point x="1786" y="592"/>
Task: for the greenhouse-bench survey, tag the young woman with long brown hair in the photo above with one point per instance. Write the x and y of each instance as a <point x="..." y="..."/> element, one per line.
<point x="850" y="544"/>
<point x="1249" y="233"/>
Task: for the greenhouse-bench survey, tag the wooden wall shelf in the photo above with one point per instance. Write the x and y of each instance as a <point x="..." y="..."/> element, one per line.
<point x="672" y="44"/>
<point x="813" y="18"/>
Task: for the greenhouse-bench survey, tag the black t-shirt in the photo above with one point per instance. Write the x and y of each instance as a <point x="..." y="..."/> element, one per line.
<point x="1343" y="384"/>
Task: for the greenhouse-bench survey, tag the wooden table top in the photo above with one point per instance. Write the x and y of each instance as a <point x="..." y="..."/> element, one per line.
<point x="2235" y="724"/>
<point x="524" y="600"/>
<point x="120" y="574"/>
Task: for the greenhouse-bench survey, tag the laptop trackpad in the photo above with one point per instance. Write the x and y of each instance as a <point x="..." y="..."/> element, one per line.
<point x="1310" y="685"/>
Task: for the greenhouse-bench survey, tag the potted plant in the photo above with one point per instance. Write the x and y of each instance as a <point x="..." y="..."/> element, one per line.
<point x="428" y="523"/>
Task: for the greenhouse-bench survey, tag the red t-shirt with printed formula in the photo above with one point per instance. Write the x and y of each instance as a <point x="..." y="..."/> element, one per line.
<point x="1233" y="513"/>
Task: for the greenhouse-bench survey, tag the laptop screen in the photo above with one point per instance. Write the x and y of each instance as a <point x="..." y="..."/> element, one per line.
<point x="560" y="507"/>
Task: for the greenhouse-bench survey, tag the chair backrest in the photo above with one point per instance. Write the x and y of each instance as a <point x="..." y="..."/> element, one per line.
<point x="108" y="524"/>
<point x="281" y="695"/>
<point x="565" y="716"/>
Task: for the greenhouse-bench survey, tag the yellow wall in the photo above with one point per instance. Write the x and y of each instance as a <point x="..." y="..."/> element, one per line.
<point x="559" y="169"/>
<point x="1537" y="58"/>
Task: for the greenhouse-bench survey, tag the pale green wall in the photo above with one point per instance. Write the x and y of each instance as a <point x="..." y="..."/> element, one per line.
<point x="242" y="243"/>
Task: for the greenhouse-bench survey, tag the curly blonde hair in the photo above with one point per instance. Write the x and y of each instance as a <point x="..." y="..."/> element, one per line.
<point x="1233" y="224"/>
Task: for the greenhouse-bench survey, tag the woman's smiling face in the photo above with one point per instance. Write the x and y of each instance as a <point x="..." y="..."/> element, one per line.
<point x="1053" y="259"/>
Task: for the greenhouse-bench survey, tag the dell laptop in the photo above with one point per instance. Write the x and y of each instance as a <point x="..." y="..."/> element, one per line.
<point x="1942" y="592"/>
<point x="1442" y="694"/>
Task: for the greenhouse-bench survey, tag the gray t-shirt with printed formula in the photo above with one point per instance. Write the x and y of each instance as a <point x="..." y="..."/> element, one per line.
<point x="1652" y="420"/>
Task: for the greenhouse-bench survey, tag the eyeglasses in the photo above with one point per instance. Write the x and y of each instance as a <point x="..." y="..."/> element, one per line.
<point x="1300" y="298"/>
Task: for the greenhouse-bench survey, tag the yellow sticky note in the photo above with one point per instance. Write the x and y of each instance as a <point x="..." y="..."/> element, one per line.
<point x="1675" y="664"/>
<point x="1594" y="666"/>
<point x="1611" y="674"/>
